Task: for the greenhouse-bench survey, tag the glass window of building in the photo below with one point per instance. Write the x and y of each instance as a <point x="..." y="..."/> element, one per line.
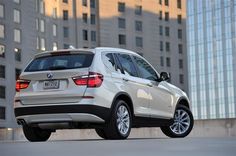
<point x="180" y="48"/>
<point x="166" y="2"/>
<point x="84" y="3"/>
<point x="167" y="31"/>
<point x="138" y="26"/>
<point x="161" y="45"/>
<point x="85" y="17"/>
<point x="160" y="2"/>
<point x="160" y="15"/>
<point x="54" y="29"/>
<point x="37" y="24"/>
<point x="2" y="50"/>
<point x="37" y="43"/>
<point x="17" y="54"/>
<point x="92" y="3"/>
<point x="121" y="7"/>
<point x="168" y="46"/>
<point x="138" y="10"/>
<point x="65" y="1"/>
<point x="17" y="73"/>
<point x="179" y="33"/>
<point x="42" y="25"/>
<point x="2" y="92"/>
<point x="41" y="7"/>
<point x="162" y="61"/>
<point x="54" y="46"/>
<point x="16" y="16"/>
<point x="179" y="19"/>
<point x="121" y="23"/>
<point x="166" y="16"/>
<point x="65" y="32"/>
<point x="139" y="42"/>
<point x="2" y="31"/>
<point x="93" y="36"/>
<point x="65" y="15"/>
<point x="66" y="46"/>
<point x="42" y="43"/>
<point x="1" y="11"/>
<point x="54" y="13"/>
<point x="2" y="71"/>
<point x="2" y="113"/>
<point x="92" y="19"/>
<point x="161" y="30"/>
<point x="17" y="35"/>
<point x="179" y="4"/>
<point x="181" y="78"/>
<point x="85" y="35"/>
<point x="181" y="64"/>
<point x="17" y="1"/>
<point x="168" y="62"/>
<point x="122" y="39"/>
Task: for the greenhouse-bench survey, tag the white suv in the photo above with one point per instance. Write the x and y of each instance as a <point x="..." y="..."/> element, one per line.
<point x="108" y="89"/>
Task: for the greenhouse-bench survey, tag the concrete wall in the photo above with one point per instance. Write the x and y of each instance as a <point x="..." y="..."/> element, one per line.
<point x="202" y="128"/>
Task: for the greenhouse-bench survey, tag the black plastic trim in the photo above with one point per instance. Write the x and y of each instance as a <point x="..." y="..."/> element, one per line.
<point x="99" y="111"/>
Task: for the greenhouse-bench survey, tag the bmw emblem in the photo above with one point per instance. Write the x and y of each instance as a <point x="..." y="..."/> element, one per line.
<point x="49" y="75"/>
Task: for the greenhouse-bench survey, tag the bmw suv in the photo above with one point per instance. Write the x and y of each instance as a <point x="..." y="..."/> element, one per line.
<point x="108" y="89"/>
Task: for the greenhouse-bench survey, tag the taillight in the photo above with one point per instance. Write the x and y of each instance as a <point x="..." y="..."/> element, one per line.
<point x="92" y="80"/>
<point x="22" y="84"/>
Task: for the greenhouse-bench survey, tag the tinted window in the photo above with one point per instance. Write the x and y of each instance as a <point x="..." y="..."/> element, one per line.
<point x="127" y="64"/>
<point x="108" y="60"/>
<point x="146" y="71"/>
<point x="60" y="62"/>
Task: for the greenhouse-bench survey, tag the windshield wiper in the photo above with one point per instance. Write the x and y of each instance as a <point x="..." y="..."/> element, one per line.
<point x="57" y="67"/>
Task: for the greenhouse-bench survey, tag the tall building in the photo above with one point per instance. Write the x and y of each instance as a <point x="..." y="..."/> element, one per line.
<point x="211" y="36"/>
<point x="153" y="28"/>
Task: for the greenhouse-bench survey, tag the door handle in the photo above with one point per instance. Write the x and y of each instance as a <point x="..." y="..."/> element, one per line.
<point x="125" y="79"/>
<point x="149" y="85"/>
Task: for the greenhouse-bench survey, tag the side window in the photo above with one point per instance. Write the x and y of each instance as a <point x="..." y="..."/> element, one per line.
<point x="127" y="64"/>
<point x="146" y="71"/>
<point x="108" y="60"/>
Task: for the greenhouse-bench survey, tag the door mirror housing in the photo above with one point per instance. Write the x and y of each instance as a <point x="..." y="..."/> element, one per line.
<point x="164" y="76"/>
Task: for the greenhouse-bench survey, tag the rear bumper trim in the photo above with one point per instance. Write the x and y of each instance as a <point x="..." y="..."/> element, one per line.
<point x="101" y="112"/>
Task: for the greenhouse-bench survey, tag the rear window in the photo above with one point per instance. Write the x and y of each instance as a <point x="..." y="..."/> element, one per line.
<point x="60" y="62"/>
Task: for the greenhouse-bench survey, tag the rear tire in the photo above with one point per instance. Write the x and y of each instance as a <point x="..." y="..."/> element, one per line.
<point x="35" y="134"/>
<point x="119" y="126"/>
<point x="183" y="123"/>
<point x="100" y="132"/>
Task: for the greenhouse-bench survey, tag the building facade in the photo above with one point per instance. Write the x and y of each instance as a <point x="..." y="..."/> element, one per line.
<point x="156" y="29"/>
<point x="211" y="36"/>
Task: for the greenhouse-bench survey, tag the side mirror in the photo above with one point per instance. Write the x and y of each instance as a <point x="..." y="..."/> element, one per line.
<point x="164" y="76"/>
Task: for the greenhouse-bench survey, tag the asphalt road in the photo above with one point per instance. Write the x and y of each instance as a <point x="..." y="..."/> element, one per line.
<point x="130" y="147"/>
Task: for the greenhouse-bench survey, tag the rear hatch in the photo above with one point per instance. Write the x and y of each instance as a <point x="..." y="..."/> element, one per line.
<point x="51" y="78"/>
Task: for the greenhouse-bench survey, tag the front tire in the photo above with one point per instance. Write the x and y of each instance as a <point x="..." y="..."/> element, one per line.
<point x="35" y="134"/>
<point x="183" y="123"/>
<point x="119" y="126"/>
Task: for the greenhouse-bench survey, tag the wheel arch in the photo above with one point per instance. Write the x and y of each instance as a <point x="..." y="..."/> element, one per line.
<point x="183" y="101"/>
<point x="126" y="97"/>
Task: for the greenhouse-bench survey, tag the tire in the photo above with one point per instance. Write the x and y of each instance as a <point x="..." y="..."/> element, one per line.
<point x="119" y="126"/>
<point x="181" y="126"/>
<point x="100" y="132"/>
<point x="35" y="134"/>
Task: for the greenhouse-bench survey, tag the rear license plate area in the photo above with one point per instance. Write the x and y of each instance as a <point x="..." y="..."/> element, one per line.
<point x="52" y="84"/>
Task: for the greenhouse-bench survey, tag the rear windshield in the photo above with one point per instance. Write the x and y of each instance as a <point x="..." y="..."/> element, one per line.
<point x="60" y="62"/>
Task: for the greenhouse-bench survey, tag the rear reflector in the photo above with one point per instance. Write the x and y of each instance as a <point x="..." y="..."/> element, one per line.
<point x="22" y="84"/>
<point x="92" y="80"/>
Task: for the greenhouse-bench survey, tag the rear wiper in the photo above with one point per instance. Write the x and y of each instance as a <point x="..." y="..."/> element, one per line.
<point x="57" y="67"/>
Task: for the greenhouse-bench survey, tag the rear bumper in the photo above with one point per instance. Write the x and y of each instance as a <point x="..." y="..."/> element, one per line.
<point x="62" y="113"/>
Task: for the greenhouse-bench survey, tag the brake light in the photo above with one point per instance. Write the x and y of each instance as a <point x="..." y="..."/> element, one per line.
<point x="22" y="84"/>
<point x="92" y="80"/>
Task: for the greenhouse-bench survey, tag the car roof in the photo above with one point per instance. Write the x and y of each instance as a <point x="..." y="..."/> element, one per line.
<point x="95" y="50"/>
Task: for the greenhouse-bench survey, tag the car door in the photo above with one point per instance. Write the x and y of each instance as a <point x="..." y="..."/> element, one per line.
<point x="134" y="86"/>
<point x="160" y="96"/>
